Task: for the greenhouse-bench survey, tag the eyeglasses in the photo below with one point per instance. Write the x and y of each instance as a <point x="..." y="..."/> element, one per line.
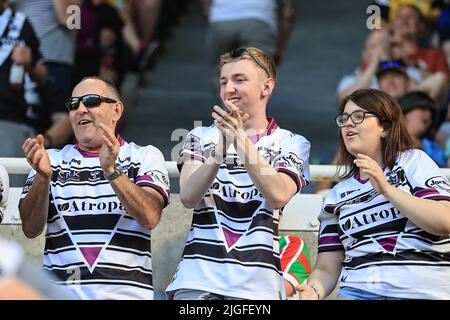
<point x="356" y="117"/>
<point x="89" y="101"/>
<point x="241" y="51"/>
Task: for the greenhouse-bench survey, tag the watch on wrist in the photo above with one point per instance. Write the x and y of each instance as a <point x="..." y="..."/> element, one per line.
<point x="116" y="173"/>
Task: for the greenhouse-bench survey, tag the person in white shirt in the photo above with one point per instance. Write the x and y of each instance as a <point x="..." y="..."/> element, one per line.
<point x="384" y="229"/>
<point x="236" y="175"/>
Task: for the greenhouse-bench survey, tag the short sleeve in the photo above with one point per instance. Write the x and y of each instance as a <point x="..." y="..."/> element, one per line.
<point x="294" y="160"/>
<point x="424" y="177"/>
<point x="192" y="148"/>
<point x="153" y="173"/>
<point x="329" y="230"/>
<point x="28" y="183"/>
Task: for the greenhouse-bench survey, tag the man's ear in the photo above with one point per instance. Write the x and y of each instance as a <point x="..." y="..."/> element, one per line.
<point x="118" y="111"/>
<point x="269" y="85"/>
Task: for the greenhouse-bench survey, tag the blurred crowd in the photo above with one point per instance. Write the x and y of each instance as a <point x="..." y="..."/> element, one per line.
<point x="47" y="46"/>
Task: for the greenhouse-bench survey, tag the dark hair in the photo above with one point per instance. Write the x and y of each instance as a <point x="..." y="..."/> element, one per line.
<point x="391" y="118"/>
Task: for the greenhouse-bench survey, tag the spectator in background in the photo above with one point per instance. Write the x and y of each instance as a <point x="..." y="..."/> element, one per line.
<point x="384" y="228"/>
<point x="396" y="79"/>
<point x="49" y="20"/>
<point x="45" y="102"/>
<point x="377" y="70"/>
<point x="99" y="200"/>
<point x="407" y="27"/>
<point x="420" y="111"/>
<point x="99" y="45"/>
<point x="140" y="18"/>
<point x="19" y="49"/>
<point x="264" y="24"/>
<point x="428" y="11"/>
<point x="393" y="78"/>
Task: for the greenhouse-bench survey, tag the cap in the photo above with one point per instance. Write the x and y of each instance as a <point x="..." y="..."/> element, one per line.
<point x="392" y="65"/>
<point x="416" y="99"/>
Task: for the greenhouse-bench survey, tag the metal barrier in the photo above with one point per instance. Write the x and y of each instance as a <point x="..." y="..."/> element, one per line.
<point x="318" y="172"/>
<point x="21" y="166"/>
<point x="308" y="204"/>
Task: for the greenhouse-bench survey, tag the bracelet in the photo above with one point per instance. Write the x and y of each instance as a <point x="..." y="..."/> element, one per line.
<point x="315" y="288"/>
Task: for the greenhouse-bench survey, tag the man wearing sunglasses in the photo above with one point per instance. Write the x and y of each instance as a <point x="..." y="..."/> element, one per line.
<point x="237" y="174"/>
<point x="100" y="198"/>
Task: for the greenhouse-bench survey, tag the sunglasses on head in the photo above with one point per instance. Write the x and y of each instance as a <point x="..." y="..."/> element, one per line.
<point x="89" y="101"/>
<point x="241" y="51"/>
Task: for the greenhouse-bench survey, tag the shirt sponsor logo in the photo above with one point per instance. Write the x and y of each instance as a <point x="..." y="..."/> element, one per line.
<point x="292" y="160"/>
<point x="158" y="176"/>
<point x="83" y="205"/>
<point x="438" y="182"/>
<point x="269" y="153"/>
<point x="355" y="222"/>
<point x="229" y="192"/>
<point x="95" y="175"/>
<point x="396" y="177"/>
<point x="68" y="176"/>
<point x="346" y="193"/>
<point x="192" y="143"/>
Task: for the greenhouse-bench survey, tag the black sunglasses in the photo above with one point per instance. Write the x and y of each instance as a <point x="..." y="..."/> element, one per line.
<point x="89" y="101"/>
<point x="241" y="51"/>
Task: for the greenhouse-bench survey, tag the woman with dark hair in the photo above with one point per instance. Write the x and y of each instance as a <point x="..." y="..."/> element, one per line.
<point x="384" y="231"/>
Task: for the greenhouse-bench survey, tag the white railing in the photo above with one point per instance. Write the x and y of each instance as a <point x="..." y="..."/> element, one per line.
<point x="318" y="172"/>
<point x="307" y="204"/>
<point x="21" y="166"/>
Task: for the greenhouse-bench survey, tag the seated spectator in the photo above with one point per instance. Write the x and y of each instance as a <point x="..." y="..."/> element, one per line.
<point x="374" y="58"/>
<point x="99" y="49"/>
<point x="20" y="51"/>
<point x="425" y="7"/>
<point x="393" y="78"/>
<point x="407" y="27"/>
<point x="419" y="110"/>
<point x="46" y="112"/>
<point x="375" y="50"/>
<point x="140" y="18"/>
<point x="396" y="79"/>
<point x="49" y="19"/>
